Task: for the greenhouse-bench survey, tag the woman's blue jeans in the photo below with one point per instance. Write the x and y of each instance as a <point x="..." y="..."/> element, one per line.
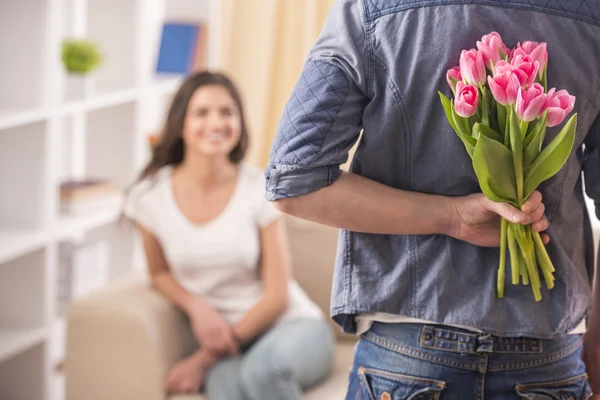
<point x="289" y="358"/>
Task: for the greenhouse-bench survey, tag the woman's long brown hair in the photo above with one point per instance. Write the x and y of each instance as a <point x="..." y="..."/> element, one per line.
<point x="170" y="148"/>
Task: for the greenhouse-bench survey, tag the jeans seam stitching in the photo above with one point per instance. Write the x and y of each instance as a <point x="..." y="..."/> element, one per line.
<point x="417" y="354"/>
<point x="561" y="382"/>
<point x="558" y="355"/>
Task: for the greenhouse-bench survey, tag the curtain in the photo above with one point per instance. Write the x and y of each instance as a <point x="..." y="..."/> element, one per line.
<point x="262" y="46"/>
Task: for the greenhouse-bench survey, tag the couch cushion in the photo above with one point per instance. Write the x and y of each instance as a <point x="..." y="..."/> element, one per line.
<point x="333" y="388"/>
<point x="313" y="247"/>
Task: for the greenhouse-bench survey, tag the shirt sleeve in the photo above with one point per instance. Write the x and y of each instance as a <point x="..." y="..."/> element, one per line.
<point x="266" y="213"/>
<point x="138" y="206"/>
<point x="591" y="165"/>
<point x="322" y="118"/>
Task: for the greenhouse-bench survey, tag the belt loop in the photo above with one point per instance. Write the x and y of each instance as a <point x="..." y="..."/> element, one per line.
<point x="485" y="343"/>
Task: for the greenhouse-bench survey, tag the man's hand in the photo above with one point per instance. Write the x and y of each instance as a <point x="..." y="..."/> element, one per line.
<point x="475" y="218"/>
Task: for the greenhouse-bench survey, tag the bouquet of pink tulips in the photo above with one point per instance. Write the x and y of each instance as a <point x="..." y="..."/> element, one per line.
<point x="500" y="111"/>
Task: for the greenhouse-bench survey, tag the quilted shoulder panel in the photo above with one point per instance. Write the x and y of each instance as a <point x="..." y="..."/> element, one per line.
<point x="310" y="113"/>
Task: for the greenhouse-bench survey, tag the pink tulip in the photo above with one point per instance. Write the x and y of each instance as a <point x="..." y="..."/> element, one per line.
<point x="558" y="104"/>
<point x="531" y="102"/>
<point x="537" y="51"/>
<point x="453" y="74"/>
<point x="492" y="48"/>
<point x="467" y="99"/>
<point x="525" y="68"/>
<point x="502" y="67"/>
<point x="472" y="67"/>
<point x="504" y="87"/>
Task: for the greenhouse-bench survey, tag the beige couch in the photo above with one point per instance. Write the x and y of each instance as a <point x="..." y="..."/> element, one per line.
<point x="122" y="340"/>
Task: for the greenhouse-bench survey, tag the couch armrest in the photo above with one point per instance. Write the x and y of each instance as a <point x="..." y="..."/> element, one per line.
<point x="121" y="341"/>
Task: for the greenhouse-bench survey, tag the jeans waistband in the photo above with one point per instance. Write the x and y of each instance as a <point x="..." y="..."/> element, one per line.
<point x="456" y="340"/>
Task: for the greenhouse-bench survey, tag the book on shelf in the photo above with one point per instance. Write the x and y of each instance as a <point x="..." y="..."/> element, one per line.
<point x="88" y="195"/>
<point x="183" y="48"/>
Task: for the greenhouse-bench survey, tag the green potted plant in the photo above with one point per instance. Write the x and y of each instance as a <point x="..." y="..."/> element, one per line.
<point x="79" y="57"/>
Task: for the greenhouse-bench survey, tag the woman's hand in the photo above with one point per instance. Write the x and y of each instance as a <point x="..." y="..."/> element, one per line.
<point x="187" y="376"/>
<point x="212" y="331"/>
<point x="476" y="219"/>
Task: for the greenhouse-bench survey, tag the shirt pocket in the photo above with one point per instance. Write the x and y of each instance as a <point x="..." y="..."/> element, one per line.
<point x="377" y="384"/>
<point x="574" y="388"/>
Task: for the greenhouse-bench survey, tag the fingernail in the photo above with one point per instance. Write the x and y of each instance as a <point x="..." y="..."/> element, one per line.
<point x="518" y="217"/>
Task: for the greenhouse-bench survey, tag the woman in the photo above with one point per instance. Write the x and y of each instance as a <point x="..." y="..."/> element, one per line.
<point x="217" y="249"/>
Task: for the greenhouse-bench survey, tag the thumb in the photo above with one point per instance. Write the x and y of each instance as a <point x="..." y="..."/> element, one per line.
<point x="505" y="210"/>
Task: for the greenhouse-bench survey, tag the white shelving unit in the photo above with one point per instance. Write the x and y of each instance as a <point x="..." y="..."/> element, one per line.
<point x="54" y="126"/>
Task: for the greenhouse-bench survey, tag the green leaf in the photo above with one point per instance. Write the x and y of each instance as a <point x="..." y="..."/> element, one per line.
<point x="535" y="129"/>
<point x="489" y="132"/>
<point x="495" y="172"/>
<point x="516" y="146"/>
<point x="463" y="133"/>
<point x="552" y="157"/>
<point x="533" y="143"/>
<point x="468" y="141"/>
<point x="448" y="108"/>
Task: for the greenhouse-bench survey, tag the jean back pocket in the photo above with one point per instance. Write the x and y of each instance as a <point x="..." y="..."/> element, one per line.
<point x="575" y="388"/>
<point x="383" y="385"/>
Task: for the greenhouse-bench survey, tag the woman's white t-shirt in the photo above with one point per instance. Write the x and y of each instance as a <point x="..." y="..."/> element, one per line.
<point x="218" y="260"/>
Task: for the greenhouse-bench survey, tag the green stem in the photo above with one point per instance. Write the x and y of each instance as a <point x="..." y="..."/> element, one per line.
<point x="502" y="266"/>
<point x="523" y="269"/>
<point x="543" y="260"/>
<point x="525" y="245"/>
<point x="514" y="256"/>
<point x="541" y="248"/>
<point x="545" y="79"/>
<point x="502" y="120"/>
<point x="485" y="119"/>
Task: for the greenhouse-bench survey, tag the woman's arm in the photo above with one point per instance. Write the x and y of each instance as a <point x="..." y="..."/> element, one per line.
<point x="160" y="274"/>
<point x="210" y="328"/>
<point x="275" y="271"/>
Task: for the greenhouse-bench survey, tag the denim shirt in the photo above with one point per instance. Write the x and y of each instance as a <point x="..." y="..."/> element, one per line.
<point x="376" y="67"/>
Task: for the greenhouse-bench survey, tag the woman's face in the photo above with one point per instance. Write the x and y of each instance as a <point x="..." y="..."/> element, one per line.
<point x="212" y="125"/>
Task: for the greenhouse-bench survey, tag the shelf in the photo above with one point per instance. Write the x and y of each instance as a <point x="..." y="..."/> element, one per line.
<point x="76" y="225"/>
<point x="167" y="85"/>
<point x="15" y="118"/>
<point x="13" y="342"/>
<point x="102" y="101"/>
<point x="112" y="99"/>
<point x="17" y="242"/>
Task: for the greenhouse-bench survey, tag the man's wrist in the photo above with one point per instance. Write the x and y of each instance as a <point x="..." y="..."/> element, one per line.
<point x="446" y="216"/>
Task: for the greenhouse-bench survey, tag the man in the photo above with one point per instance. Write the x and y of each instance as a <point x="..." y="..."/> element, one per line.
<point x="418" y="252"/>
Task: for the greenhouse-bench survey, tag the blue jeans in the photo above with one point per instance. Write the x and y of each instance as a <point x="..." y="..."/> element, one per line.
<point x="424" y="362"/>
<point x="289" y="358"/>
